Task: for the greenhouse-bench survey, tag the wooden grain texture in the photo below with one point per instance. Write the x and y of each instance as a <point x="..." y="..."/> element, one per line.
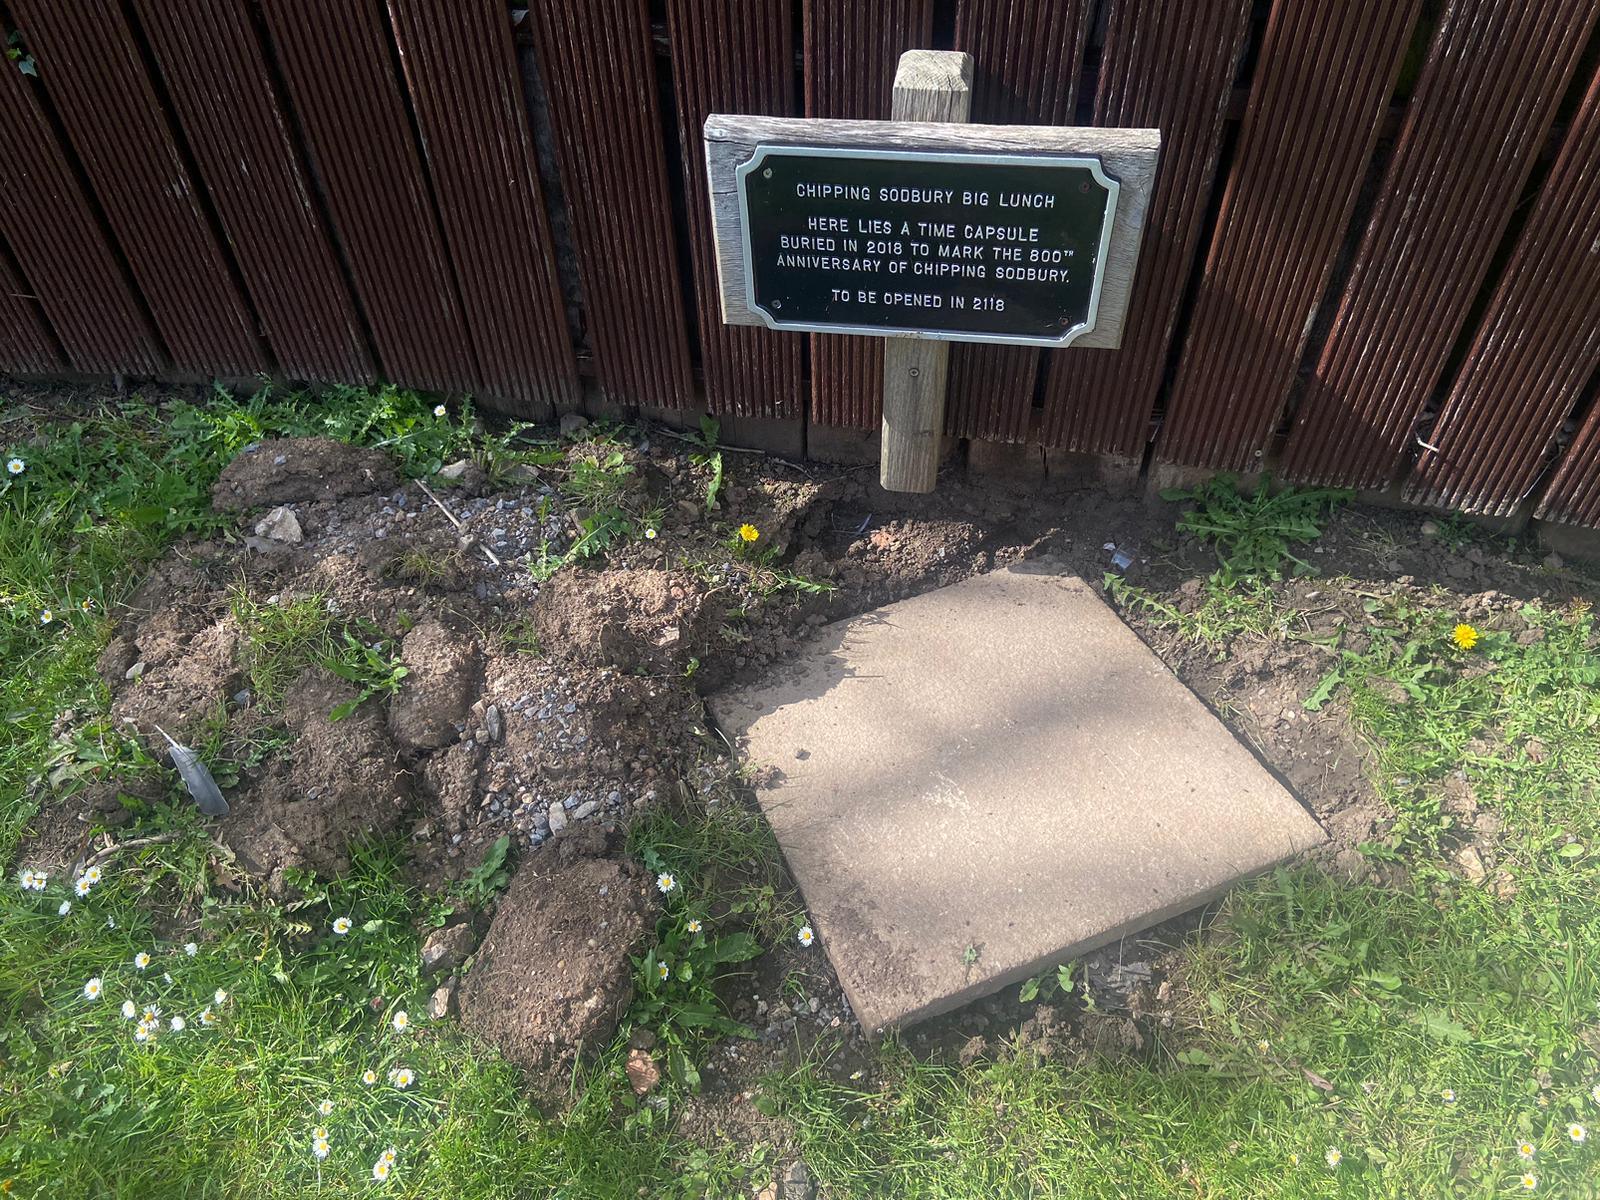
<point x="1027" y="59"/>
<point x="597" y="62"/>
<point x="933" y="86"/>
<point x="1176" y="76"/>
<point x="1130" y="156"/>
<point x="1325" y="73"/>
<point x="1475" y="123"/>
<point x="851" y="49"/>
<point x="732" y="56"/>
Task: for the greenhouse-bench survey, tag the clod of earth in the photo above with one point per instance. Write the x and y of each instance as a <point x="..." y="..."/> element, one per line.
<point x="287" y="470"/>
<point x="447" y="949"/>
<point x="446" y="672"/>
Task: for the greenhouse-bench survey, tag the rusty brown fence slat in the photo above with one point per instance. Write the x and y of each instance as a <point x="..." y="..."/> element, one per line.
<point x="598" y="67"/>
<point x="1326" y="71"/>
<point x="1573" y="497"/>
<point x="342" y="85"/>
<point x="90" y="68"/>
<point x="1176" y="76"/>
<point x="460" y="64"/>
<point x="732" y="56"/>
<point x="1483" y="105"/>
<point x="851" y="52"/>
<point x="217" y="82"/>
<point x="1026" y="62"/>
<point x="1532" y="354"/>
<point x="56" y="238"/>
<point x="26" y="347"/>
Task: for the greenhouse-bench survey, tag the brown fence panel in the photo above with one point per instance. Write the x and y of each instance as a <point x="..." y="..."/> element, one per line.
<point x="1483" y="105"/>
<point x="26" y="347"/>
<point x="217" y="83"/>
<point x="1327" y="68"/>
<point x="460" y="64"/>
<point x="1534" y="351"/>
<point x="851" y="51"/>
<point x="1026" y="62"/>
<point x="341" y="82"/>
<point x="733" y="56"/>
<point x="1574" y="494"/>
<point x="56" y="238"/>
<point x="92" y="73"/>
<point x="598" y="66"/>
<point x="1176" y="76"/>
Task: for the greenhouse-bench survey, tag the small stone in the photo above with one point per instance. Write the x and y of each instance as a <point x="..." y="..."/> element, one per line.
<point x="442" y="1003"/>
<point x="135" y="671"/>
<point x="493" y="723"/>
<point x="642" y="1072"/>
<point x="456" y="471"/>
<point x="572" y="424"/>
<point x="796" y="1183"/>
<point x="1430" y="529"/>
<point x="280" y="525"/>
<point x="586" y="810"/>
<point x="447" y="949"/>
<point x="558" y="818"/>
<point x="1471" y="864"/>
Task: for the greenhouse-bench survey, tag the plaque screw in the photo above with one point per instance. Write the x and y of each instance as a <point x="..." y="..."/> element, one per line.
<point x="1084" y="186"/>
<point x="767" y="174"/>
<point x="915" y="371"/>
<point x="777" y="304"/>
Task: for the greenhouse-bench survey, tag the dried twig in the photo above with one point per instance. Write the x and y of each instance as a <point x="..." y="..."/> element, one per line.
<point x="131" y="844"/>
<point x="428" y="492"/>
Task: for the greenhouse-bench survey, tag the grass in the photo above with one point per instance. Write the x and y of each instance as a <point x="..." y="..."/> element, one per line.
<point x="1310" y="1014"/>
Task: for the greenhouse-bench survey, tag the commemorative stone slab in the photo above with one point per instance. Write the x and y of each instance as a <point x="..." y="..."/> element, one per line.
<point x="986" y="780"/>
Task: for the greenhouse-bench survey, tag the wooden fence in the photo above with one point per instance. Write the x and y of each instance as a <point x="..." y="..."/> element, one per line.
<point x="1373" y="256"/>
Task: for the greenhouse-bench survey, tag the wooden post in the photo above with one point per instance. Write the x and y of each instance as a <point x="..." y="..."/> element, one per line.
<point x="929" y="85"/>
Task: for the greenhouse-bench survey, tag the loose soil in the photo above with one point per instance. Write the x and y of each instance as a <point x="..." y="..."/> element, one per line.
<point x="554" y="711"/>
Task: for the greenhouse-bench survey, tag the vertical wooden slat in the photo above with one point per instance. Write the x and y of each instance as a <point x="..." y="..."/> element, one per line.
<point x="26" y="347"/>
<point x="56" y="238"/>
<point x="598" y="67"/>
<point x="732" y="56"/>
<point x="216" y="79"/>
<point x="1573" y="497"/>
<point x="341" y="81"/>
<point x="1483" y="105"/>
<point x="1027" y="59"/>
<point x="1326" y="72"/>
<point x="460" y="65"/>
<point x="1176" y="76"/>
<point x="851" y="51"/>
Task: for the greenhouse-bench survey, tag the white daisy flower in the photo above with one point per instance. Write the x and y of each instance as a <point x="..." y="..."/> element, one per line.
<point x="92" y="989"/>
<point x="93" y="875"/>
<point x="650" y="535"/>
<point x="1594" y="1093"/>
<point x="381" y="1169"/>
<point x="82" y="887"/>
<point x="1263" y="1046"/>
<point x="390" y="1155"/>
<point x="667" y="883"/>
<point x="402" y="1077"/>
<point x="111" y="922"/>
<point x="177" y="1024"/>
<point x="1448" y="1096"/>
<point x="151" y="1016"/>
<point x="805" y="937"/>
<point x="34" y="881"/>
<point x="369" y="1077"/>
<point x="325" y="1109"/>
<point x="130" y="1010"/>
<point x="15" y="466"/>
<point x="320" y="1148"/>
<point x="694" y="925"/>
<point x="141" y="960"/>
<point x="191" y="949"/>
<point x="1526" y="1151"/>
<point x="1529" y="1181"/>
<point x="46" y="617"/>
<point x="141" y="1034"/>
<point x="662" y="970"/>
<point x="438" y="410"/>
<point x="220" y="996"/>
<point x="1333" y="1157"/>
<point x="66" y="907"/>
<point x="341" y="926"/>
<point x="401" y="1021"/>
<point x="207" y="1017"/>
<point x="166" y="977"/>
<point x="1577" y="1133"/>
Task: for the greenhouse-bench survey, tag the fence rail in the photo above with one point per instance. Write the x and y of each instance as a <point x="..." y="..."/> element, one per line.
<point x="1373" y="256"/>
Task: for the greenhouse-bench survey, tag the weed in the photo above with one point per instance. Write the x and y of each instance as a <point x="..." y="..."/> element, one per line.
<point x="282" y="639"/>
<point x="374" y="667"/>
<point x="489" y="878"/>
<point x="1045" y="983"/>
<point x="595" y="481"/>
<point x="1224" y="613"/>
<point x="1253" y="533"/>
<point x="710" y="458"/>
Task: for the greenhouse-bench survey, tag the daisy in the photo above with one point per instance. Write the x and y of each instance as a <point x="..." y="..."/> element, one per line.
<point x="1333" y="1156"/>
<point x="320" y="1133"/>
<point x="87" y="604"/>
<point x="381" y="1169"/>
<point x="93" y="875"/>
<point x="1294" y="1159"/>
<point x="320" y="1148"/>
<point x="151" y="1016"/>
<point x="1263" y="1046"/>
<point x="401" y="1021"/>
<point x="1577" y="1133"/>
<point x="191" y="949"/>
<point x="1526" y="1151"/>
<point x="402" y="1077"/>
<point x="805" y="937"/>
<point x="82" y="887"/>
<point x="92" y="989"/>
<point x="141" y="1034"/>
<point x="325" y="1109"/>
<point x="220" y="996"/>
<point x="46" y="617"/>
<point x="130" y="1010"/>
<point x="369" y="1077"/>
<point x="662" y="970"/>
<point x="178" y="1024"/>
<point x="389" y="1155"/>
<point x="650" y="535"/>
<point x="667" y="883"/>
<point x="207" y="1017"/>
<point x="694" y="925"/>
<point x="15" y="466"/>
<point x="66" y="907"/>
<point x="1594" y="1093"/>
<point x="341" y="926"/>
<point x="33" y="881"/>
<point x="438" y="410"/>
<point x="1530" y="1181"/>
<point x="141" y="960"/>
<point x="1448" y="1096"/>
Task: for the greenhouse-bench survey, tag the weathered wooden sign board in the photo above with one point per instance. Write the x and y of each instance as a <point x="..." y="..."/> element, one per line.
<point x="932" y="230"/>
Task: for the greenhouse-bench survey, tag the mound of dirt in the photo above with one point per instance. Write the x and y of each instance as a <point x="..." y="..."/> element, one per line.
<point x="553" y="976"/>
<point x="286" y="470"/>
<point x="642" y="619"/>
<point x="446" y="674"/>
<point x="340" y="782"/>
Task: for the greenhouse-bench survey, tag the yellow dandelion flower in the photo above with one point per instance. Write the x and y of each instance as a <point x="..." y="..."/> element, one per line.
<point x="1464" y="636"/>
<point x="748" y="533"/>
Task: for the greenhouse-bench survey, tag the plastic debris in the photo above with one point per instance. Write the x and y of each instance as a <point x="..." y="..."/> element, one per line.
<point x="196" y="777"/>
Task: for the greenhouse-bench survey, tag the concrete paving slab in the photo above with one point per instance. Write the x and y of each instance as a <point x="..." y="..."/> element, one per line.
<point x="988" y="779"/>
